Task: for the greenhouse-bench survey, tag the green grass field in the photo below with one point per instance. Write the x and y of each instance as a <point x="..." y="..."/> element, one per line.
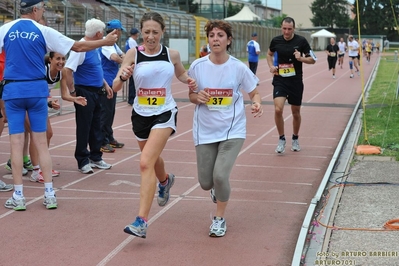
<point x="381" y="114"/>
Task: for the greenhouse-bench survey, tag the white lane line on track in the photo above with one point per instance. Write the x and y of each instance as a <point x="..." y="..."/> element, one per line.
<point x="278" y="167"/>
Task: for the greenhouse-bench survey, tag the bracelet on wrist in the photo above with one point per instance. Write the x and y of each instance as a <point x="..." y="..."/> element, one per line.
<point x="50" y="104"/>
<point x="72" y="92"/>
<point x="123" y="80"/>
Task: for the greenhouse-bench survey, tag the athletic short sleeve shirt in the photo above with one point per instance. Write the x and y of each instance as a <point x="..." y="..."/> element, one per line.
<point x="285" y="50"/>
<point x="109" y="66"/>
<point x="223" y="117"/>
<point x="353" y="48"/>
<point x="87" y="68"/>
<point x="252" y="48"/>
<point x="25" y="43"/>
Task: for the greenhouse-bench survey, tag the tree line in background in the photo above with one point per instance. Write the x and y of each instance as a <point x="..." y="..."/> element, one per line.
<point x="377" y="17"/>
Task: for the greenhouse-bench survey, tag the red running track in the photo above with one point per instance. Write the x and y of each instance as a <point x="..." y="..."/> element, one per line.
<point x="269" y="199"/>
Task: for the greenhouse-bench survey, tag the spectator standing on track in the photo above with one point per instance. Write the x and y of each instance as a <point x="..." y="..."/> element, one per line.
<point x="288" y="78"/>
<point x="131" y="42"/>
<point x="154" y="114"/>
<point x="342" y="51"/>
<point x="111" y="58"/>
<point x="220" y="104"/>
<point x="253" y="50"/>
<point x="26" y="89"/>
<point x="84" y="77"/>
<point x="353" y="52"/>
<point x="332" y="52"/>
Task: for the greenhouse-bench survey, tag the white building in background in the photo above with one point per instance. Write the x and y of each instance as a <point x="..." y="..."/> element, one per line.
<point x="299" y="10"/>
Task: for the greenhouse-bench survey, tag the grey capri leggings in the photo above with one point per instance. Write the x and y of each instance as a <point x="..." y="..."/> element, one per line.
<point x="215" y="162"/>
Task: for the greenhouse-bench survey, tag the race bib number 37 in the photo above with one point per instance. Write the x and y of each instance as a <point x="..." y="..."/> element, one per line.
<point x="151" y="98"/>
<point x="221" y="99"/>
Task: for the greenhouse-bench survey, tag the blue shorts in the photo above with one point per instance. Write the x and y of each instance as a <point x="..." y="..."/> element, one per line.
<point x="16" y="110"/>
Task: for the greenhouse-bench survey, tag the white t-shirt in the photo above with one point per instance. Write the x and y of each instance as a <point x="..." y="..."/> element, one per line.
<point x="223" y="117"/>
<point x="353" y="48"/>
<point x="132" y="43"/>
<point x="342" y="47"/>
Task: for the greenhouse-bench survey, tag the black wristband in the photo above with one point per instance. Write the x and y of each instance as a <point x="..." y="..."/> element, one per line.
<point x="50" y="104"/>
<point x="123" y="80"/>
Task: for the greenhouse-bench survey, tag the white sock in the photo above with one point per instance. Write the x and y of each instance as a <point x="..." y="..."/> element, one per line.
<point x="48" y="189"/>
<point x="18" y="192"/>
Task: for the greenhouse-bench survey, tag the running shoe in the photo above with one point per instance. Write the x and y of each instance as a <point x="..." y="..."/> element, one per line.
<point x="8" y="167"/>
<point x="36" y="176"/>
<point x="213" y="197"/>
<point x="16" y="204"/>
<point x="55" y="173"/>
<point x="107" y="148"/>
<point x="116" y="144"/>
<point x="163" y="193"/>
<point x="100" y="164"/>
<point x="295" y="145"/>
<point x="5" y="187"/>
<point x="218" y="227"/>
<point x="86" y="169"/>
<point x="351" y="76"/>
<point x="28" y="165"/>
<point x="137" y="228"/>
<point x="280" y="146"/>
<point x="50" y="202"/>
<point x="333" y="76"/>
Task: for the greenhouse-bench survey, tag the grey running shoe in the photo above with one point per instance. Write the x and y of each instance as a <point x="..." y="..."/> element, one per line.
<point x="295" y="145"/>
<point x="213" y="197"/>
<point x="100" y="164"/>
<point x="5" y="187"/>
<point x="137" y="228"/>
<point x="163" y="193"/>
<point x="86" y="169"/>
<point x="8" y="167"/>
<point x="17" y="205"/>
<point x="50" y="202"/>
<point x="218" y="227"/>
<point x="280" y="146"/>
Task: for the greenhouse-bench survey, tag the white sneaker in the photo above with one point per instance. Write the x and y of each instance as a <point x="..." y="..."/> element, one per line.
<point x="333" y="76"/>
<point x="86" y="169"/>
<point x="218" y="227"/>
<point x="351" y="76"/>
<point x="50" y="202"/>
<point x="100" y="164"/>
<point x="280" y="146"/>
<point x="295" y="145"/>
